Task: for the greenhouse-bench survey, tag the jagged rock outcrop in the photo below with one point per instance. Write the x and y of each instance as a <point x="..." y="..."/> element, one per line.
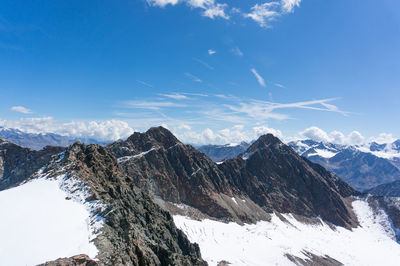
<point x="136" y="230"/>
<point x="78" y="260"/>
<point x="18" y="163"/>
<point x="158" y="162"/>
<point x="278" y="179"/>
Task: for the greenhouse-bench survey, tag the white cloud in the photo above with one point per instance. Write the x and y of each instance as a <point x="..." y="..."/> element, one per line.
<point x="193" y="77"/>
<point x="106" y="130"/>
<point x="265" y="13"/>
<point x="214" y="11"/>
<point x="289" y="5"/>
<point x="316" y="134"/>
<point x="262" y="130"/>
<point x="162" y="3"/>
<point x="210" y="8"/>
<point x="233" y="135"/>
<point x="21" y="109"/>
<point x="337" y="137"/>
<point x="260" y="79"/>
<point x="384" y="138"/>
<point x="211" y="51"/>
<point x="355" y="138"/>
<point x="237" y="51"/>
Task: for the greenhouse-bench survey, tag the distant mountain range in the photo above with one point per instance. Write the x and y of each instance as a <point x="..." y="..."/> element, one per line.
<point x="39" y="141"/>
<point x="362" y="167"/>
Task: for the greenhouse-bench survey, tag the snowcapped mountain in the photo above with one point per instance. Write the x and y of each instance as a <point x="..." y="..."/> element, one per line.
<point x="39" y="141"/>
<point x="124" y="204"/>
<point x="362" y="167"/>
<point x="218" y="153"/>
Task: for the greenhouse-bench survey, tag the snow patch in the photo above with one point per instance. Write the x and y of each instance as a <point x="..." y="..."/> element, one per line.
<point x="266" y="243"/>
<point x="127" y="158"/>
<point x="247" y="155"/>
<point x="323" y="153"/>
<point x="45" y="219"/>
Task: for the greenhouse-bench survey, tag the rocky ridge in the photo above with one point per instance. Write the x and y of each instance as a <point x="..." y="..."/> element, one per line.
<point x="18" y="163"/>
<point x="136" y="231"/>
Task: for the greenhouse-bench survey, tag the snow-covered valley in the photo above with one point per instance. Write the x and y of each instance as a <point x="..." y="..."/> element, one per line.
<point x="267" y="243"/>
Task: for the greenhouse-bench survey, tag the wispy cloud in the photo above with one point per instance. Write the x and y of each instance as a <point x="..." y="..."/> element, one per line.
<point x="236" y="51"/>
<point x="175" y="96"/>
<point x="145" y="83"/>
<point x="260" y="79"/>
<point x="153" y="105"/>
<point x="203" y="63"/>
<point x="211" y="51"/>
<point x="21" y="109"/>
<point x="279" y="85"/>
<point x="193" y="77"/>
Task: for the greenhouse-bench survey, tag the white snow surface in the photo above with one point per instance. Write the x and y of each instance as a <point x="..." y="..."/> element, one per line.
<point x="323" y="153"/>
<point x="46" y="219"/>
<point x="127" y="158"/>
<point x="266" y="243"/>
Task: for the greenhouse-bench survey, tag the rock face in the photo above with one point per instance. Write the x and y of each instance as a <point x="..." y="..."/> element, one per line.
<point x="136" y="230"/>
<point x="159" y="163"/>
<point x="278" y="179"/>
<point x="269" y="174"/>
<point x="18" y="163"/>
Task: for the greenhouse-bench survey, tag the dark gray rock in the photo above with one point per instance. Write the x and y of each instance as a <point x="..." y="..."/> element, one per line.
<point x="18" y="164"/>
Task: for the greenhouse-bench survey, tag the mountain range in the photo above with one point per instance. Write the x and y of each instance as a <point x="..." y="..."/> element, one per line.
<point x="39" y="141"/>
<point x="362" y="167"/>
<point x="153" y="200"/>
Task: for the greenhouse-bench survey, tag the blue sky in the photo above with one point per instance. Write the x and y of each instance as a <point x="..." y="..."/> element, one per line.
<point x="209" y="70"/>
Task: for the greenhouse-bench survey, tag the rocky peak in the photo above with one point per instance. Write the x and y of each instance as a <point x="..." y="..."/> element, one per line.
<point x="265" y="141"/>
<point x="1" y="140"/>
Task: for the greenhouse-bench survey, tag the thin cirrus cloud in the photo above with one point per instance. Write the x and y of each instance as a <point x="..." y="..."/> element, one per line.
<point x="211" y="51"/>
<point x="175" y="96"/>
<point x="203" y="63"/>
<point x="152" y="105"/>
<point x="21" y="109"/>
<point x="193" y="77"/>
<point x="217" y="109"/>
<point x="236" y="51"/>
<point x="144" y="83"/>
<point x="259" y="78"/>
